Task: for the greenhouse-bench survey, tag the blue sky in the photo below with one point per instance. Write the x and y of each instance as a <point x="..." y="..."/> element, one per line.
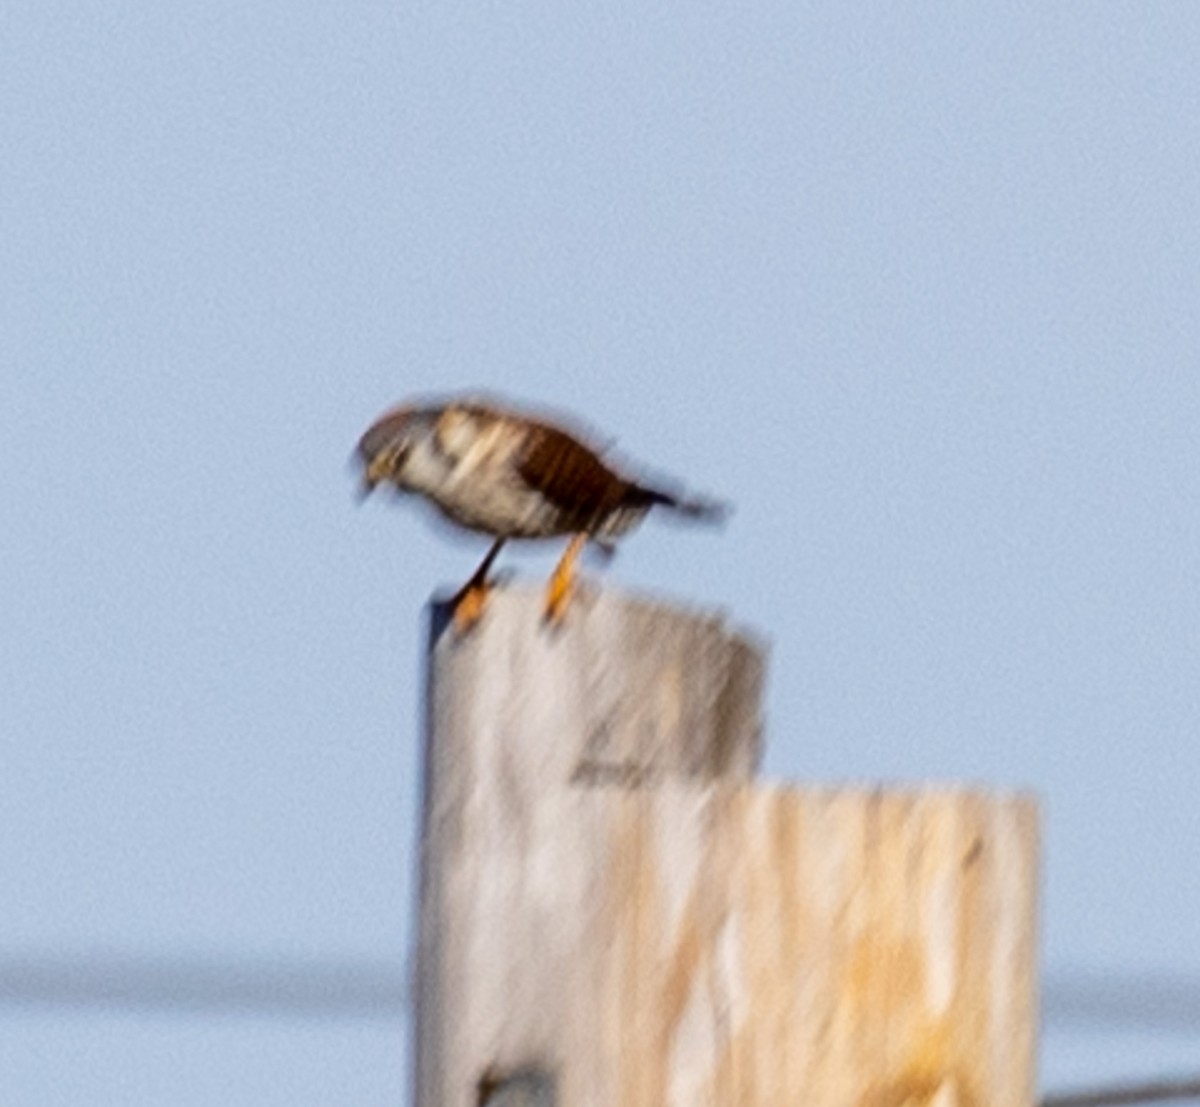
<point x="914" y="287"/>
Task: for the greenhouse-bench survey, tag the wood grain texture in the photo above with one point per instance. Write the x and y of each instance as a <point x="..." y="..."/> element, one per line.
<point x="609" y="899"/>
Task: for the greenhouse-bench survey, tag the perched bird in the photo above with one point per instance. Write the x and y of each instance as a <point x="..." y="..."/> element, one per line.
<point x="510" y="474"/>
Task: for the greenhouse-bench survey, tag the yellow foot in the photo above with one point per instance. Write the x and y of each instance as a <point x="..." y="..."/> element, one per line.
<point x="468" y="607"/>
<point x="558" y="598"/>
<point x="562" y="583"/>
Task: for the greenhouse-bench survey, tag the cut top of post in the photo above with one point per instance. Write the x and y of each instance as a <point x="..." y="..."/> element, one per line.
<point x="625" y="692"/>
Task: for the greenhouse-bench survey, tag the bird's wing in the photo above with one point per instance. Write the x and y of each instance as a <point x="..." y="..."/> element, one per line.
<point x="568" y="474"/>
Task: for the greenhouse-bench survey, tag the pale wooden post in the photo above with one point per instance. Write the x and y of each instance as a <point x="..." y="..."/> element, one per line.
<point x="614" y="915"/>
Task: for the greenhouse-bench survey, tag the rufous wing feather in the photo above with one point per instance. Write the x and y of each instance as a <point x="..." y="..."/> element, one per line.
<point x="570" y="475"/>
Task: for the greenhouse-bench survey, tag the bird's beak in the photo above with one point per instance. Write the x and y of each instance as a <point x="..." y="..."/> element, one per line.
<point x="375" y="473"/>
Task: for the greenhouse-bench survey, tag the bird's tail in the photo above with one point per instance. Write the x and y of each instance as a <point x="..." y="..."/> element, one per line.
<point x="697" y="509"/>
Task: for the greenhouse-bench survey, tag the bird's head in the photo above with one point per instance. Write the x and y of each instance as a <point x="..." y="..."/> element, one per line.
<point x="384" y="449"/>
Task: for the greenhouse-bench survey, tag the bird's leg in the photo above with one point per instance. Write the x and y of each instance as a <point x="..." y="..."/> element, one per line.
<point x="467" y="603"/>
<point x="562" y="583"/>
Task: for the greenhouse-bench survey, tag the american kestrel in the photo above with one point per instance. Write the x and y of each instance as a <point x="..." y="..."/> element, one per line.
<point x="509" y="474"/>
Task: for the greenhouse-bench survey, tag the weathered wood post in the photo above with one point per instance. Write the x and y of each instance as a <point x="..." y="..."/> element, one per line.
<point x="613" y="914"/>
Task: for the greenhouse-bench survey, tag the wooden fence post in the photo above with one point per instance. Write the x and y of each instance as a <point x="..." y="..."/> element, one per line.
<point x="614" y="914"/>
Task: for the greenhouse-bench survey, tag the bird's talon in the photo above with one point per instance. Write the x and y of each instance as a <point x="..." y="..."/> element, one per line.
<point x="468" y="608"/>
<point x="562" y="583"/>
<point x="558" y="598"/>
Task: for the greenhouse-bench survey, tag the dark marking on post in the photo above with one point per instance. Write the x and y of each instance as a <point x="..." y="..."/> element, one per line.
<point x="528" y="1087"/>
<point x="627" y="775"/>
